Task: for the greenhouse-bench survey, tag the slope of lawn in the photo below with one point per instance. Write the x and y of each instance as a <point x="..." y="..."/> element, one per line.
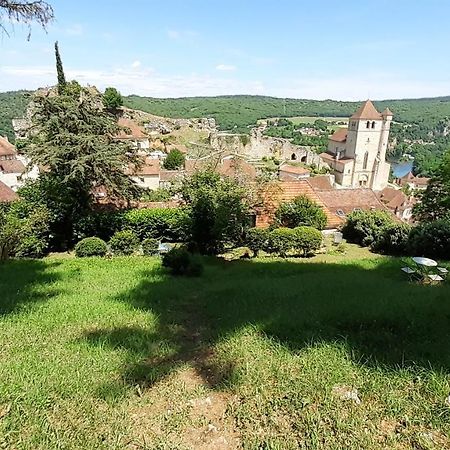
<point x="326" y="353"/>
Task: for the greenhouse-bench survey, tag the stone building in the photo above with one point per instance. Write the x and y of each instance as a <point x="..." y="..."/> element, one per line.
<point x="357" y="155"/>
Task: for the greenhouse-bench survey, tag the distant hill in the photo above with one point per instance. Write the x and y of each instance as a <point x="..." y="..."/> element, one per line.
<point x="238" y="112"/>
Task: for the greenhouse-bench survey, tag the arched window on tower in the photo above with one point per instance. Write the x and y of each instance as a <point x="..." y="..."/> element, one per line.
<point x="373" y="124"/>
<point x="293" y="157"/>
<point x="368" y="124"/>
<point x="366" y="158"/>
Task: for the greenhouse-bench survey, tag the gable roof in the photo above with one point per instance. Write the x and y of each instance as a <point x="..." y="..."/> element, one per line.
<point x="6" y="193"/>
<point x="6" y="148"/>
<point x="297" y="170"/>
<point x="320" y="182"/>
<point x="136" y="131"/>
<point x="12" y="166"/>
<point x="149" y="167"/>
<point x="339" y="135"/>
<point x="387" y="112"/>
<point x="367" y="111"/>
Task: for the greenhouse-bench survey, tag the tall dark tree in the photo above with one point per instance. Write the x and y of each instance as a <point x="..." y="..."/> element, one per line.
<point x="74" y="138"/>
<point x="112" y="99"/>
<point x="60" y="71"/>
<point x="26" y="12"/>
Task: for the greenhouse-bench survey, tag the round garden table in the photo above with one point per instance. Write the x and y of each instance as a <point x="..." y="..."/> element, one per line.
<point x="427" y="262"/>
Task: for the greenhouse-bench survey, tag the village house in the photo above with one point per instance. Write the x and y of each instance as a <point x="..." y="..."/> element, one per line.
<point x="134" y="133"/>
<point x="413" y="182"/>
<point x="357" y="155"/>
<point x="11" y="167"/>
<point x="400" y="204"/>
<point x="6" y="193"/>
<point x="287" y="172"/>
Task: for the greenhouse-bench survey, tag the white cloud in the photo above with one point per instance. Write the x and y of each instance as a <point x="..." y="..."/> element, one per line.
<point x="136" y="64"/>
<point x="75" y="30"/>
<point x="226" y="67"/>
<point x="173" y="34"/>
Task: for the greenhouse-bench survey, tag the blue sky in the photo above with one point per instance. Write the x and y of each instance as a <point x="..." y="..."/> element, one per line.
<point x="347" y="50"/>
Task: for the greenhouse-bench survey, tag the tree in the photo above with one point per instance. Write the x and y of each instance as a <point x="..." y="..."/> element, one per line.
<point x="112" y="99"/>
<point x="299" y="212"/>
<point x="175" y="159"/>
<point x="27" y="12"/>
<point x="59" y="70"/>
<point x="218" y="210"/>
<point x="435" y="200"/>
<point x="73" y="137"/>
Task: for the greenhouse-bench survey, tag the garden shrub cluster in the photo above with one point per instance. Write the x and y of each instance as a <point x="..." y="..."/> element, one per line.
<point x="393" y="239"/>
<point x="180" y="262"/>
<point x="300" y="240"/>
<point x="150" y="246"/>
<point x="124" y="242"/>
<point x="431" y="239"/>
<point x="301" y="211"/>
<point x="91" y="246"/>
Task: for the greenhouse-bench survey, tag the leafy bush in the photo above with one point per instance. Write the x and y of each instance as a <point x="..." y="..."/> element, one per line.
<point x="150" y="246"/>
<point x="301" y="212"/>
<point x="124" y="242"/>
<point x="31" y="247"/>
<point x="281" y="240"/>
<point x="257" y="239"/>
<point x="174" y="160"/>
<point x="393" y="239"/>
<point x="179" y="261"/>
<point x="307" y="239"/>
<point x="363" y="227"/>
<point x="101" y="224"/>
<point x="431" y="239"/>
<point x="91" y="246"/>
<point x="169" y="224"/>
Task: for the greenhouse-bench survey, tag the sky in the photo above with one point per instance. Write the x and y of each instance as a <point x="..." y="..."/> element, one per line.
<point x="316" y="49"/>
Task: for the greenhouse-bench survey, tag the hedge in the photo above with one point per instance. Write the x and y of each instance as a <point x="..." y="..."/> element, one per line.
<point x="431" y="239"/>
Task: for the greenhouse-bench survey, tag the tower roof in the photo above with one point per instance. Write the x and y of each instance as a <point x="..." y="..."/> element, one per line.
<point x="367" y="111"/>
<point x="387" y="112"/>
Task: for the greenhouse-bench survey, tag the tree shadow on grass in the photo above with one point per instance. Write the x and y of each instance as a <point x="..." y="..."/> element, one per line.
<point x="370" y="306"/>
<point x="24" y="282"/>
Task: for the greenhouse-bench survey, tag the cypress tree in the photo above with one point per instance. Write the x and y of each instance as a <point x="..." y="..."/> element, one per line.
<point x="59" y="70"/>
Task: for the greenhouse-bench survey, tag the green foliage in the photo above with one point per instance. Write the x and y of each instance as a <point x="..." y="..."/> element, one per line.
<point x="112" y="99"/>
<point x="59" y="70"/>
<point x="23" y="230"/>
<point x="435" y="201"/>
<point x="431" y="239"/>
<point x="281" y="240"/>
<point x="257" y="239"/>
<point x="180" y="262"/>
<point x="393" y="239"/>
<point x="307" y="240"/>
<point x="363" y="227"/>
<point x="124" y="242"/>
<point x="218" y="211"/>
<point x="156" y="195"/>
<point x="150" y="246"/>
<point x="301" y="211"/>
<point x="12" y="105"/>
<point x="174" y="160"/>
<point x="91" y="246"/>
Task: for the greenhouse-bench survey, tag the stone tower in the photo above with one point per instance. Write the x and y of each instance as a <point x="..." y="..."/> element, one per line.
<point x="358" y="155"/>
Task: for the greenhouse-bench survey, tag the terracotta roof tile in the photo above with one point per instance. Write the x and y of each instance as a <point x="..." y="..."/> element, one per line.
<point x="298" y="170"/>
<point x="367" y="111"/>
<point x="149" y="167"/>
<point x="136" y="131"/>
<point x="6" y="148"/>
<point x="321" y="183"/>
<point x="12" y="166"/>
<point x="339" y="135"/>
<point x="6" y="193"/>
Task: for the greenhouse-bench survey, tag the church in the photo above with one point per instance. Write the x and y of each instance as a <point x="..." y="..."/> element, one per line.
<point x="357" y="155"/>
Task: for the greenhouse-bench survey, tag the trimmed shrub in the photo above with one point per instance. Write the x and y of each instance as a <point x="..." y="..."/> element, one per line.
<point x="31" y="247"/>
<point x="150" y="246"/>
<point x="281" y="240"/>
<point x="124" y="242"/>
<point x="363" y="227"/>
<point x="301" y="212"/>
<point x="179" y="262"/>
<point x="307" y="240"/>
<point x="393" y="239"/>
<point x="91" y="246"/>
<point x="257" y="239"/>
<point x="431" y="239"/>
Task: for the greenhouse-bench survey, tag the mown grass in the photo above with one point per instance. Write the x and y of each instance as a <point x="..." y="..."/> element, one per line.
<point x="100" y="353"/>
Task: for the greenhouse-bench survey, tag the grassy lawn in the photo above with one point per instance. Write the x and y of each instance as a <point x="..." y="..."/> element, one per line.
<point x="113" y="353"/>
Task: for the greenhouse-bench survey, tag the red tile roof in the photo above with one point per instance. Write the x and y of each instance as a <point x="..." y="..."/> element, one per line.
<point x="367" y="111"/>
<point x="387" y="112"/>
<point x="339" y="135"/>
<point x="149" y="167"/>
<point x="12" y="166"/>
<point x="234" y="167"/>
<point x="320" y="182"/>
<point x="6" y="148"/>
<point x="6" y="193"/>
<point x="297" y="170"/>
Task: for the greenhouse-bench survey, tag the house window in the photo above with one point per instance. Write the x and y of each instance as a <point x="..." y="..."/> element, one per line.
<point x="340" y="213"/>
<point x="366" y="158"/>
<point x="373" y="124"/>
<point x="303" y="159"/>
<point x="368" y="124"/>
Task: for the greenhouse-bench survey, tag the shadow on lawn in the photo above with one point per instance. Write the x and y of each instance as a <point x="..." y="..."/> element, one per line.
<point x="371" y="307"/>
<point x="24" y="282"/>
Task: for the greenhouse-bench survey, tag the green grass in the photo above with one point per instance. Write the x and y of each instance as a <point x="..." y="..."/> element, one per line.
<point x="113" y="353"/>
